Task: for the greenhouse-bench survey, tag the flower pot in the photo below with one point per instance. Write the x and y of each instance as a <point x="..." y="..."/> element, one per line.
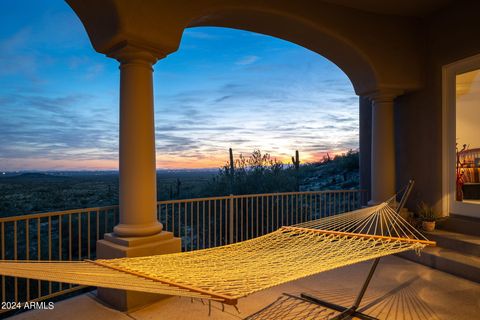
<point x="405" y="214"/>
<point x="428" y="225"/>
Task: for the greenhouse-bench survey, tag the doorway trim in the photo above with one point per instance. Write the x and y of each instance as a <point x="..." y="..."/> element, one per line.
<point x="449" y="71"/>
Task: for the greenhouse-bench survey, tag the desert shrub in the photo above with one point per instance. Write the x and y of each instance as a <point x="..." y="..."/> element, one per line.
<point x="257" y="173"/>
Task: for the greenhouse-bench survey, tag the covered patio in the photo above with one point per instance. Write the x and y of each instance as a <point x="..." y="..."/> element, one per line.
<point x="137" y="36"/>
<point x="392" y="53"/>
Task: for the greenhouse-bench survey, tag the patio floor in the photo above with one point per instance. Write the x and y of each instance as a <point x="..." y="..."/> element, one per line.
<point x="400" y="290"/>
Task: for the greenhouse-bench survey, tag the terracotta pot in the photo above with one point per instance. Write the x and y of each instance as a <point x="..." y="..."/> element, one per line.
<point x="405" y="214"/>
<point x="428" y="225"/>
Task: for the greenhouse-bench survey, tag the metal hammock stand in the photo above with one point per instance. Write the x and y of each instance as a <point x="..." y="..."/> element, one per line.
<point x="350" y="312"/>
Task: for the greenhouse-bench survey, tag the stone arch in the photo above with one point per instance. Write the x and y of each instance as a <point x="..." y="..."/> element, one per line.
<point x="382" y="54"/>
<point x="376" y="51"/>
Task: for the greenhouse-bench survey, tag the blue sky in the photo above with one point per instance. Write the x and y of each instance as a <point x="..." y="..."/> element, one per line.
<point x="223" y="88"/>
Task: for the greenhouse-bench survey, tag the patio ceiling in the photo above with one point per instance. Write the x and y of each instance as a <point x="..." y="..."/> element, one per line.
<point x="410" y="8"/>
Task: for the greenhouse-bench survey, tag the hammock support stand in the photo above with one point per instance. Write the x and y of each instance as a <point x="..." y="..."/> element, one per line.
<point x="349" y="312"/>
<point x="346" y="312"/>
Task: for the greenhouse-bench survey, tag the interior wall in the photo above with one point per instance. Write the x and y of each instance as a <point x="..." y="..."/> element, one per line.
<point x="468" y="109"/>
<point x="450" y="35"/>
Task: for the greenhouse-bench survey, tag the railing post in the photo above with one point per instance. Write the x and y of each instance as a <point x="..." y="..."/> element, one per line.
<point x="231" y="213"/>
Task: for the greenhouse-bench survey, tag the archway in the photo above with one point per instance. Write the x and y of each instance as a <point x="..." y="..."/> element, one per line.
<point x="372" y="49"/>
<point x="230" y="88"/>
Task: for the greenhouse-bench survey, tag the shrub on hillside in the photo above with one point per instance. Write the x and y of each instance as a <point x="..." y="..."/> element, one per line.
<point x="260" y="173"/>
<point x="257" y="173"/>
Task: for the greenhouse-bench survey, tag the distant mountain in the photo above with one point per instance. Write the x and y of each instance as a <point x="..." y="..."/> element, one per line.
<point x="31" y="176"/>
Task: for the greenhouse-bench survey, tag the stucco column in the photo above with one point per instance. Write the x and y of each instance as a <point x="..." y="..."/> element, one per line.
<point x="138" y="189"/>
<point x="383" y="147"/>
<point x="138" y="233"/>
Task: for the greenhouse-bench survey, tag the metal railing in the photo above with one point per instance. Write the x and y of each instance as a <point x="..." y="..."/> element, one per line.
<point x="209" y="222"/>
<point x="201" y="223"/>
<point x="60" y="236"/>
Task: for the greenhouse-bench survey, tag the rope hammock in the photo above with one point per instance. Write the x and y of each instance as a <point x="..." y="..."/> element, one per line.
<point x="230" y="272"/>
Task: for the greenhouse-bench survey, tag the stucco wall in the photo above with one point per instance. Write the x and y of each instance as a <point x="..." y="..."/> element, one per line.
<point x="450" y="35"/>
<point x="365" y="119"/>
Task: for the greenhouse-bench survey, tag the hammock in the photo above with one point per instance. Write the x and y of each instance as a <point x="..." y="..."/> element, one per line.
<point x="230" y="272"/>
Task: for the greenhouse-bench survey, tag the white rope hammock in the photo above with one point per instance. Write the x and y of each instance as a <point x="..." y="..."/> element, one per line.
<point x="230" y="272"/>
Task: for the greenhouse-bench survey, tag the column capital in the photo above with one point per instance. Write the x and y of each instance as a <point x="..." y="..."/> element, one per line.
<point x="127" y="53"/>
<point x="384" y="95"/>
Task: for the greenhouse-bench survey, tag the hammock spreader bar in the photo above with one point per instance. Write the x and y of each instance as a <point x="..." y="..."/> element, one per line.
<point x="360" y="235"/>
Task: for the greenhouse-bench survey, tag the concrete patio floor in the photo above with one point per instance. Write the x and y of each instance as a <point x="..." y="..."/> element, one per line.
<point x="400" y="290"/>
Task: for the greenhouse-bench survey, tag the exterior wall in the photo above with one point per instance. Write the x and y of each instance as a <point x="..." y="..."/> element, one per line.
<point x="365" y="119"/>
<point x="451" y="34"/>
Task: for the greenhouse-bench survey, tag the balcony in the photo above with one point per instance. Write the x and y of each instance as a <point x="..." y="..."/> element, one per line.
<point x="400" y="290"/>
<point x="200" y="223"/>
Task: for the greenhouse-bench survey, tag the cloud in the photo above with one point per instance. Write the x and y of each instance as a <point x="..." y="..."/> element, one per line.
<point x="189" y="33"/>
<point x="274" y="117"/>
<point x="346" y="100"/>
<point x="42" y="103"/>
<point x="195" y="128"/>
<point x="93" y="71"/>
<point x="341" y="118"/>
<point x="174" y="143"/>
<point x="55" y="128"/>
<point x="246" y="60"/>
<point x="286" y="100"/>
<point x="223" y="98"/>
<point x="15" y="56"/>
<point x="16" y="41"/>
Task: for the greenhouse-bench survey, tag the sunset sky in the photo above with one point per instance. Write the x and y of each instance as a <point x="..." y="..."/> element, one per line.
<point x="223" y="88"/>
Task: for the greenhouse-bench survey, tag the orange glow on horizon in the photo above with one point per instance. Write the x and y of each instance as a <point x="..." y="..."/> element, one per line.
<point x="220" y="160"/>
<point x="170" y="162"/>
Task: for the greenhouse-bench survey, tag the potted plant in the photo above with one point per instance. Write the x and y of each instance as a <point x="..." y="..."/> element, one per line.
<point x="428" y="216"/>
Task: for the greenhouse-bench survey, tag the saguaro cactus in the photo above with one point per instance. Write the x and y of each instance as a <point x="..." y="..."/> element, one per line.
<point x="232" y="171"/>
<point x="178" y="188"/>
<point x="296" y="164"/>
<point x="296" y="160"/>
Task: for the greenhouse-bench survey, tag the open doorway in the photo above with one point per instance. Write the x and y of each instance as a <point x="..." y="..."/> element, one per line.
<point x="462" y="137"/>
<point x="467" y="101"/>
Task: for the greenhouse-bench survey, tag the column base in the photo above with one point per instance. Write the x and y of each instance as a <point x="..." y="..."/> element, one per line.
<point x="127" y="230"/>
<point x="113" y="246"/>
